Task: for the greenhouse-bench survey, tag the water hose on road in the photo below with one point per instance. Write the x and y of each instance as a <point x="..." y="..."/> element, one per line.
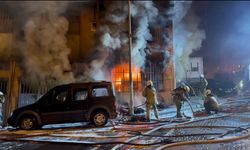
<point x="20" y="139"/>
<point x="140" y="105"/>
<point x="213" y="141"/>
<point x="164" y="141"/>
<point x="190" y="107"/>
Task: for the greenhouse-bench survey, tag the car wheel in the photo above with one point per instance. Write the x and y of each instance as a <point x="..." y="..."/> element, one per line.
<point x="99" y="118"/>
<point x="28" y="123"/>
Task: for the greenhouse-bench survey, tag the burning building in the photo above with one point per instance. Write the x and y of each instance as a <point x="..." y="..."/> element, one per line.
<point x="53" y="43"/>
<point x="107" y="25"/>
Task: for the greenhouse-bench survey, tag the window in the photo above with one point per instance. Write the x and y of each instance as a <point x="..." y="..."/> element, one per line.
<point x="100" y="92"/>
<point x="153" y="71"/>
<point x="194" y="68"/>
<point x="46" y="99"/>
<point x="61" y="96"/>
<point x="120" y="78"/>
<point x="80" y="94"/>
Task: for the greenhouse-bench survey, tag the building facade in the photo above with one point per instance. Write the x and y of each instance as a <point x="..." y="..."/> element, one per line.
<point x="195" y="68"/>
<point x="84" y="20"/>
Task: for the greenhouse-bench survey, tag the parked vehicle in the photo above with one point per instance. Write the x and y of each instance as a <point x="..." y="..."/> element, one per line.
<point x="76" y="102"/>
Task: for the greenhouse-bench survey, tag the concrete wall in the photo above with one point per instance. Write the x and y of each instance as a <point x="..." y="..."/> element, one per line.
<point x="81" y="43"/>
<point x="169" y="75"/>
<point x="6" y="40"/>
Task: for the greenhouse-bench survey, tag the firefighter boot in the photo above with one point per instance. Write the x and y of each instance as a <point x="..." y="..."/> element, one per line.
<point x="148" y="112"/>
<point x="178" y="110"/>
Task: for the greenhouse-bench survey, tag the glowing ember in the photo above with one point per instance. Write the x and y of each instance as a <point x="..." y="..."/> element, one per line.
<point x="120" y="78"/>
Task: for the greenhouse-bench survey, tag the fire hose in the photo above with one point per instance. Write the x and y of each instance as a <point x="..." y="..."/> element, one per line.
<point x="117" y="142"/>
<point x="208" y="141"/>
<point x="140" y="105"/>
<point x="164" y="141"/>
<point x="160" y="127"/>
<point x="190" y="106"/>
<point x="237" y="129"/>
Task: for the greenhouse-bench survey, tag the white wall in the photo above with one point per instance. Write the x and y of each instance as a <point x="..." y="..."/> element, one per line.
<point x="195" y="67"/>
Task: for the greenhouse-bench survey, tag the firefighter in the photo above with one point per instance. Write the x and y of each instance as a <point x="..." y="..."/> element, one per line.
<point x="210" y="102"/>
<point x="203" y="84"/>
<point x="180" y="95"/>
<point x="151" y="101"/>
<point x="239" y="88"/>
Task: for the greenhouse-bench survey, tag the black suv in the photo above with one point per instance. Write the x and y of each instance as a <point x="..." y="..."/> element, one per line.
<point x="76" y="102"/>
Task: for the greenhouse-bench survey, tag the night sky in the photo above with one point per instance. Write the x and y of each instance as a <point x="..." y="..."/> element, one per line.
<point x="227" y="27"/>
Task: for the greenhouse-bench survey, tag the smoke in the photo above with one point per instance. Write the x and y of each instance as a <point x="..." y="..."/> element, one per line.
<point x="44" y="53"/>
<point x="187" y="36"/>
<point x="144" y="13"/>
<point x="112" y="46"/>
<point x="5" y="47"/>
<point x="42" y="45"/>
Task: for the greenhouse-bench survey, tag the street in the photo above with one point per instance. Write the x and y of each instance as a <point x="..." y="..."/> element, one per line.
<point x="227" y="130"/>
<point x="124" y="75"/>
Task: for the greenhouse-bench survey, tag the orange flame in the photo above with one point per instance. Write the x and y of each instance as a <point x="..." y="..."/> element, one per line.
<point x="120" y="77"/>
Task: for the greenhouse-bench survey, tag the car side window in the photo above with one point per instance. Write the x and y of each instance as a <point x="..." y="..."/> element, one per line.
<point x="80" y="94"/>
<point x="100" y="92"/>
<point x="61" y="96"/>
<point x="46" y="99"/>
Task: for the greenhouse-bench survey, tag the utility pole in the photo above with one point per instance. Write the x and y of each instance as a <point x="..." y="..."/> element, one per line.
<point x="131" y="95"/>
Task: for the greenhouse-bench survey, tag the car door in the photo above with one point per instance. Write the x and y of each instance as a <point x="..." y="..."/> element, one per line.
<point x="79" y="103"/>
<point x="59" y="109"/>
<point x="99" y="96"/>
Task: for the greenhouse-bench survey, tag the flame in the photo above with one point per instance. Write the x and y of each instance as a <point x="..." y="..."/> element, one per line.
<point x="120" y="77"/>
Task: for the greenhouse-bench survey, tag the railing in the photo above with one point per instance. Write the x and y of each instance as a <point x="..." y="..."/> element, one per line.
<point x="29" y="95"/>
<point x="4" y="86"/>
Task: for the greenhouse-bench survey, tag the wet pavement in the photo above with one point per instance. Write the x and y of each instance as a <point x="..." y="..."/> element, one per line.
<point x="226" y="130"/>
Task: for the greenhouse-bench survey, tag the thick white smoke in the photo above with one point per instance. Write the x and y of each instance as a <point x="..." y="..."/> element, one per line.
<point x="111" y="38"/>
<point x="144" y="13"/>
<point x="45" y="54"/>
<point x="44" y="51"/>
<point x="187" y="36"/>
<point x="113" y="47"/>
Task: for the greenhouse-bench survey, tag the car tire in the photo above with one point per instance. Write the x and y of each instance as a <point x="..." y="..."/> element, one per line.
<point x="28" y="122"/>
<point x="99" y="118"/>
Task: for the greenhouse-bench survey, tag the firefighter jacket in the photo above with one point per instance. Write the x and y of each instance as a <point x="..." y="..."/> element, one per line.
<point x="150" y="94"/>
<point x="211" y="103"/>
<point x="180" y="94"/>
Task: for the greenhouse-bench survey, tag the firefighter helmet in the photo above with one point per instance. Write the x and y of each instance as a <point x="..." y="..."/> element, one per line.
<point x="208" y="92"/>
<point x="149" y="82"/>
<point x="186" y="88"/>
